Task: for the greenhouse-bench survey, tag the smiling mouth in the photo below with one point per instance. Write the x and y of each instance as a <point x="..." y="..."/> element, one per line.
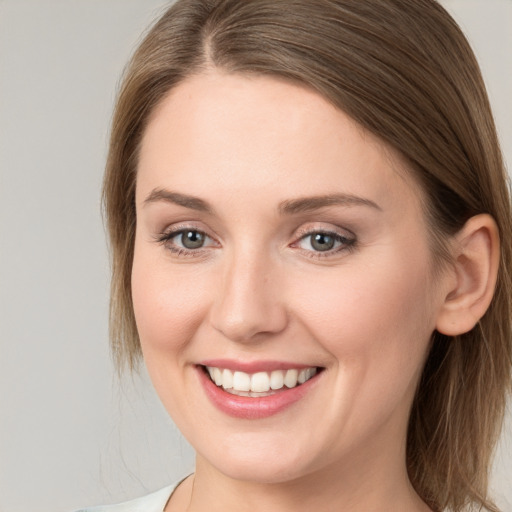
<point x="259" y="384"/>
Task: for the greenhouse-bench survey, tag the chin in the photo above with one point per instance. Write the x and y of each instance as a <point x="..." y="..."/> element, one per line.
<point x="260" y="460"/>
<point x="268" y="472"/>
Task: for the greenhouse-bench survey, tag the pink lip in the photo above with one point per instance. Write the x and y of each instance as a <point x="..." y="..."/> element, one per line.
<point x="253" y="407"/>
<point x="252" y="366"/>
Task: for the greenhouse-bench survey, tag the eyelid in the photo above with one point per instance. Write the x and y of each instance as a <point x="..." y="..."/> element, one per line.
<point x="347" y="239"/>
<point x="165" y="237"/>
<point x="309" y="229"/>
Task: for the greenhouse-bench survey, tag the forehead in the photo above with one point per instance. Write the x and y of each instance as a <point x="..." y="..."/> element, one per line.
<point x="216" y="129"/>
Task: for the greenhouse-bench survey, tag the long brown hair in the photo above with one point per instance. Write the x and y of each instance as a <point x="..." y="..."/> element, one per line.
<point x="404" y="71"/>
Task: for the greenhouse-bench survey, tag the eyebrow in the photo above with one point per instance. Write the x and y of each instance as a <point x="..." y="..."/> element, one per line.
<point x="194" y="203"/>
<point x="309" y="204"/>
<point x="288" y="207"/>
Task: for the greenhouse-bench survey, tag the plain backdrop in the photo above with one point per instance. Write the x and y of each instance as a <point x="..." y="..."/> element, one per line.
<point x="70" y="434"/>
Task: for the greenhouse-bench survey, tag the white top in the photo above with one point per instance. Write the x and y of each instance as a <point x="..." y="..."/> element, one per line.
<point x="154" y="502"/>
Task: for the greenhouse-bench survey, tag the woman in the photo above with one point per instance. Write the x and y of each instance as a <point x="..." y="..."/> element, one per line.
<point x="310" y="225"/>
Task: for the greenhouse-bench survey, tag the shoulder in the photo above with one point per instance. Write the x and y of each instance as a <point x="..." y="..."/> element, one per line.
<point x="154" y="502"/>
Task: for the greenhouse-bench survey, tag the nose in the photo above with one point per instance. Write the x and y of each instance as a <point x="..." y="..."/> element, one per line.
<point x="249" y="303"/>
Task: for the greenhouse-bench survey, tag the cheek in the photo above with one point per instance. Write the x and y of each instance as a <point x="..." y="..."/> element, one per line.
<point x="168" y="309"/>
<point x="378" y="317"/>
<point x="376" y="325"/>
<point x="168" y="304"/>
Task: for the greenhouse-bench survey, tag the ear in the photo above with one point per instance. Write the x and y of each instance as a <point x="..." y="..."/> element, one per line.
<point x="476" y="253"/>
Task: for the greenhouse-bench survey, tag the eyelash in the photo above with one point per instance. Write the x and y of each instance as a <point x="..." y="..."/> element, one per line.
<point x="166" y="238"/>
<point x="347" y="244"/>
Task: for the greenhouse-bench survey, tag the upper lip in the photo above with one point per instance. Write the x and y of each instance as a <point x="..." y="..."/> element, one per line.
<point x="254" y="366"/>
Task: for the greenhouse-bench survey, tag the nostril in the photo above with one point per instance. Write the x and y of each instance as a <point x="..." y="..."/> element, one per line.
<point x="249" y="323"/>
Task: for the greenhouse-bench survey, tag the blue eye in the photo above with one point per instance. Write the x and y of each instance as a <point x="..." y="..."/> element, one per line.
<point x="324" y="242"/>
<point x="191" y="239"/>
<point x="185" y="240"/>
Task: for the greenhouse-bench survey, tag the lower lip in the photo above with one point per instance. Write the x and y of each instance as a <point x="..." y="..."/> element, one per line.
<point x="253" y="407"/>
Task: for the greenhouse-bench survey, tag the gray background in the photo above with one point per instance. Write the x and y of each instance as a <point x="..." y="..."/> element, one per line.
<point x="70" y="434"/>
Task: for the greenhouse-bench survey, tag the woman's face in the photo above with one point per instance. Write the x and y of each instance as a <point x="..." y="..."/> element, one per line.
<point x="276" y="239"/>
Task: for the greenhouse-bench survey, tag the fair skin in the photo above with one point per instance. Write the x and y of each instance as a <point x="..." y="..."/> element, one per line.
<point x="274" y="233"/>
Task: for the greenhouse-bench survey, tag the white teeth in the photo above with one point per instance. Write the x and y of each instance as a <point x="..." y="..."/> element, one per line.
<point x="227" y="379"/>
<point x="241" y="381"/>
<point x="260" y="382"/>
<point x="276" y="379"/>
<point x="217" y="376"/>
<point x="290" y="379"/>
<point x="306" y="374"/>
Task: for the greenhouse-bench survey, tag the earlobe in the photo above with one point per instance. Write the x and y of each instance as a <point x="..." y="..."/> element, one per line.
<point x="475" y="265"/>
